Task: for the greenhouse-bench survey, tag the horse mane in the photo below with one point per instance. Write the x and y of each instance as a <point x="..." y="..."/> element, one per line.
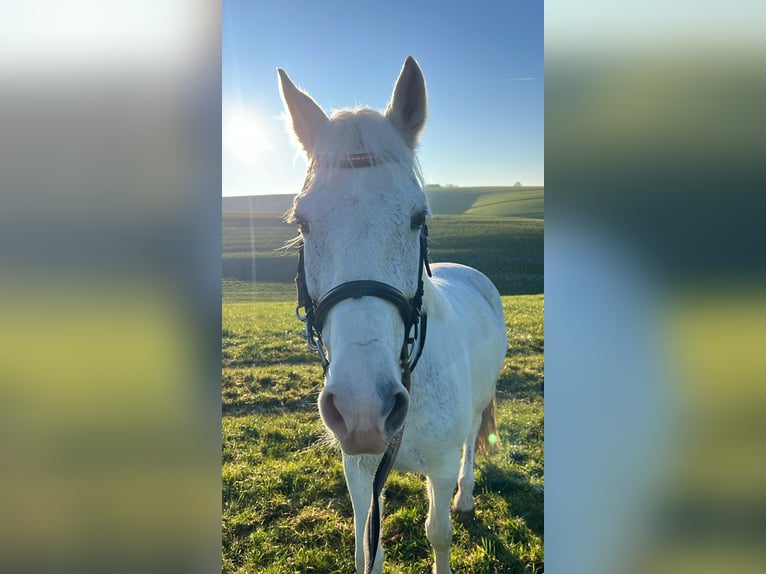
<point x="434" y="302"/>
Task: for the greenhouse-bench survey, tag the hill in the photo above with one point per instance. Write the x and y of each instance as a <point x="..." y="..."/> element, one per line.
<point x="258" y="203"/>
<point x="501" y="201"/>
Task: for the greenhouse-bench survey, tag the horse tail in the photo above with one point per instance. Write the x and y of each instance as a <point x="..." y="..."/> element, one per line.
<point x="487" y="437"/>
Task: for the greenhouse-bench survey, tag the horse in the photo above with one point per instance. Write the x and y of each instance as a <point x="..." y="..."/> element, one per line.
<point x="411" y="350"/>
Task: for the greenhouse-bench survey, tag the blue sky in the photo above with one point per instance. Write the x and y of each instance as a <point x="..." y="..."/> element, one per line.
<point x="483" y="63"/>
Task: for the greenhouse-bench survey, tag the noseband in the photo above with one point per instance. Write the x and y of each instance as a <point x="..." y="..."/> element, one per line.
<point x="415" y="323"/>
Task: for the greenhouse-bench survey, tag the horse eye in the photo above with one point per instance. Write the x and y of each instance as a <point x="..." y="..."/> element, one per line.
<point x="303" y="225"/>
<point x="418" y="220"/>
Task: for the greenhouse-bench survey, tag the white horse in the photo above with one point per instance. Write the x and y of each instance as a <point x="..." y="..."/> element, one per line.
<point x="360" y="215"/>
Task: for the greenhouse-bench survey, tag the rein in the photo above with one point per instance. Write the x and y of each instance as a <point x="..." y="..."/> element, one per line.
<point x="415" y="324"/>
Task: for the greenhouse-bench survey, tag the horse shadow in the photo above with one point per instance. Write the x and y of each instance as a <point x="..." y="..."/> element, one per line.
<point x="495" y="486"/>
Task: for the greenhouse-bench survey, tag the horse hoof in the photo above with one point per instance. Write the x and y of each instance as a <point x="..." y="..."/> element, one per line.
<point x="464" y="516"/>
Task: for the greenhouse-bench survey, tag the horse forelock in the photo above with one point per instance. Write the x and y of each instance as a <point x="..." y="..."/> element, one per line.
<point x="351" y="133"/>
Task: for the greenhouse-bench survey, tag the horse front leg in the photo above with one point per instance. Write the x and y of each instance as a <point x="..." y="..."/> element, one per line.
<point x="463" y="503"/>
<point x="360" y="471"/>
<point x="438" y="523"/>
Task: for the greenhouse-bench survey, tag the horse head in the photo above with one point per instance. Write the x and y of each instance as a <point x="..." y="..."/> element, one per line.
<point x="360" y="215"/>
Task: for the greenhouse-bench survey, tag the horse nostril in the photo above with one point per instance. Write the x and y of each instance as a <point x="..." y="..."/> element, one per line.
<point x="398" y="404"/>
<point x="331" y="415"/>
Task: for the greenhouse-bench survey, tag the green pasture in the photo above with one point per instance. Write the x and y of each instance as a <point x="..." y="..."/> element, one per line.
<point x="285" y="505"/>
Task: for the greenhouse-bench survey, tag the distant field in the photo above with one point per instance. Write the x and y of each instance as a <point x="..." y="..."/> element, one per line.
<point x="508" y="250"/>
<point x="502" y="201"/>
<point x="258" y="203"/>
<point x="507" y="201"/>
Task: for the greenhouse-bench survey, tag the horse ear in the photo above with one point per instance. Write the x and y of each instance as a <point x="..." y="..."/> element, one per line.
<point x="408" y="107"/>
<point x="306" y="115"/>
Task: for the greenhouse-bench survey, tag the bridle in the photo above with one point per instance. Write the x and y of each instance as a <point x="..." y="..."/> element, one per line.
<point x="410" y="310"/>
<point x="415" y="324"/>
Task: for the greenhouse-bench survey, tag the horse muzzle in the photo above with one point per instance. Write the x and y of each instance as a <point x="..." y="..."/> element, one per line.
<point x="363" y="425"/>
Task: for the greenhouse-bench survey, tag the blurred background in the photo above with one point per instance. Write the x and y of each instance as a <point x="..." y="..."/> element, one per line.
<point x="656" y="308"/>
<point x="110" y="286"/>
<point x="110" y="186"/>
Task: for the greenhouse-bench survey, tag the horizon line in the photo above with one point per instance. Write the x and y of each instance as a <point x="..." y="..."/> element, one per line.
<point x="443" y="186"/>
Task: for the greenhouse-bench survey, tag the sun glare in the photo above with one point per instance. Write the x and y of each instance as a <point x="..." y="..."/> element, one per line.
<point x="244" y="134"/>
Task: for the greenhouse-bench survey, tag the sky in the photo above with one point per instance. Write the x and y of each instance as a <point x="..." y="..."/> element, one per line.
<point x="483" y="64"/>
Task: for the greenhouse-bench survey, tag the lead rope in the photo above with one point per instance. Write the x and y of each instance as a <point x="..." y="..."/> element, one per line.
<point x="372" y="527"/>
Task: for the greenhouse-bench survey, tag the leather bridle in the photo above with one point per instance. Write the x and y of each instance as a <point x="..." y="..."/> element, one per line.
<point x="410" y="310"/>
<point x="415" y="324"/>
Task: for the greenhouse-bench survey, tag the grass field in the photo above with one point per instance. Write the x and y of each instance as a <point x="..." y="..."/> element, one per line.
<point x="285" y="504"/>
